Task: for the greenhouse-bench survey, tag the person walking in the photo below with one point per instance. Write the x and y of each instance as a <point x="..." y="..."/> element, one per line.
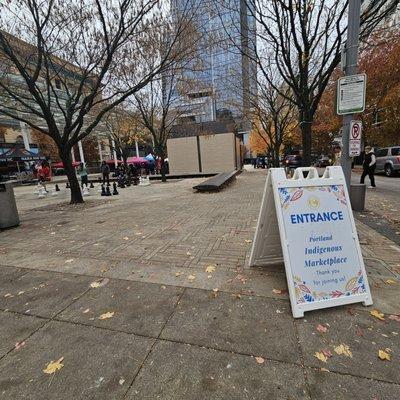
<point x="82" y="171"/>
<point x="44" y="174"/>
<point x="105" y="171"/>
<point x="337" y="156"/>
<point x="369" y="165"/>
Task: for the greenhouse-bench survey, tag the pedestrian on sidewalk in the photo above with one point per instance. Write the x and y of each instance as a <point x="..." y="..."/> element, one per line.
<point x="44" y="174"/>
<point x="337" y="156"/>
<point x="369" y="165"/>
<point x="82" y="171"/>
<point x="105" y="171"/>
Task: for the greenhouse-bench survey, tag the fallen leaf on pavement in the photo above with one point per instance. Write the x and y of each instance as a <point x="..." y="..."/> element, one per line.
<point x="248" y="241"/>
<point x="21" y="292"/>
<point x="126" y="238"/>
<point x="383" y="355"/>
<point x="279" y="291"/>
<point x="359" y="332"/>
<point x="390" y="282"/>
<point x="215" y="290"/>
<point x="394" y="317"/>
<point x="191" y="277"/>
<point x="324" y="370"/>
<point x="18" y="345"/>
<point x="99" y="283"/>
<point x="321" y="356"/>
<point x="327" y="353"/>
<point x="378" y="314"/>
<point x="121" y="381"/>
<point x="178" y="273"/>
<point x="54" y="366"/>
<point x="8" y="295"/>
<point x="343" y="349"/>
<point x="210" y="268"/>
<point x="107" y="315"/>
<point x="322" y="328"/>
<point x="69" y="261"/>
<point x="260" y="360"/>
<point x="86" y="311"/>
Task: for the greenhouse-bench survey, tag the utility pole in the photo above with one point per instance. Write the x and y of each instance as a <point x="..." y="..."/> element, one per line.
<point x="351" y="51"/>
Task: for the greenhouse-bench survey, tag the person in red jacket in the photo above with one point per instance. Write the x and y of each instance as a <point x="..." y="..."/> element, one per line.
<point x="44" y="173"/>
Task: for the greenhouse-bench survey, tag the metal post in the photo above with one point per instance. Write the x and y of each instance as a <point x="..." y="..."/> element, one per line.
<point x="81" y="155"/>
<point x="353" y="30"/>
<point x="137" y="148"/>
<point x="100" y="151"/>
<point x="25" y="135"/>
<point x="114" y="153"/>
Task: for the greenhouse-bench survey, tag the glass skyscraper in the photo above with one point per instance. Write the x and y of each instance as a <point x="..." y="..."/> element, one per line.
<point x="222" y="76"/>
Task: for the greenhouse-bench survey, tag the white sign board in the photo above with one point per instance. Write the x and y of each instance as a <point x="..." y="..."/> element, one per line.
<point x="351" y="94"/>
<point x="355" y="138"/>
<point x="308" y="224"/>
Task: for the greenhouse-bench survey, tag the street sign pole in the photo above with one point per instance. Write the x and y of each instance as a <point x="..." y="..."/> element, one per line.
<point x="353" y="30"/>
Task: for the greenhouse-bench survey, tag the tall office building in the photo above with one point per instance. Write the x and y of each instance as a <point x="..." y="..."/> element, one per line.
<point x="222" y="77"/>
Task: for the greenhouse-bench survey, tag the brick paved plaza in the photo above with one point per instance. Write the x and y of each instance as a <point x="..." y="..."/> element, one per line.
<point x="118" y="288"/>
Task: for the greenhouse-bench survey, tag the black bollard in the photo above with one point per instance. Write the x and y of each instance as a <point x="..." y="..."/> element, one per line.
<point x="103" y="191"/>
<point x="91" y="185"/>
<point x="57" y="188"/>
<point x="67" y="186"/>
<point x="115" y="191"/>
<point x="108" y="193"/>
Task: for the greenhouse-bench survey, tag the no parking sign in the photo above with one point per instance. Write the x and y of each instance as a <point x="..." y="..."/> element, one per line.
<point x="355" y="138"/>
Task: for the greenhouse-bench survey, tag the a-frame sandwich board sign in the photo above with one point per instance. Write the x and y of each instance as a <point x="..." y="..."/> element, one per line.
<point x="307" y="223"/>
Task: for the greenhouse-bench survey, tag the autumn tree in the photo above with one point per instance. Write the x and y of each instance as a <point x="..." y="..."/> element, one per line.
<point x="302" y="41"/>
<point x="124" y="127"/>
<point x="327" y="124"/>
<point x="275" y="119"/>
<point x="380" y="60"/>
<point x="65" y="65"/>
<point x="159" y="107"/>
<point x="166" y="98"/>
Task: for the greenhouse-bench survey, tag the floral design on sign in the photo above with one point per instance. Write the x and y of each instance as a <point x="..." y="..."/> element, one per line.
<point x="304" y="294"/>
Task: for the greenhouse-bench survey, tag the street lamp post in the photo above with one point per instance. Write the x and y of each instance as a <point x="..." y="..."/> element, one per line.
<point x="353" y="30"/>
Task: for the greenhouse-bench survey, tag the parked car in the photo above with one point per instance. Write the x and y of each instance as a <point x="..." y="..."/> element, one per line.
<point x="292" y="161"/>
<point x="261" y="162"/>
<point x="322" y="162"/>
<point x="388" y="160"/>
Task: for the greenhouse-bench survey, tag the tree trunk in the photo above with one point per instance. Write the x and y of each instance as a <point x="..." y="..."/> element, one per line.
<point x="306" y="132"/>
<point x="76" y="194"/>
<point x="276" y="155"/>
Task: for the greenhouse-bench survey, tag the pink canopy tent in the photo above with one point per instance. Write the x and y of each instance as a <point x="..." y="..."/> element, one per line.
<point x="112" y="162"/>
<point x="137" y="160"/>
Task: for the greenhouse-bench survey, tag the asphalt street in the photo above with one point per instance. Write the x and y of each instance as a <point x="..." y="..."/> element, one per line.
<point x="382" y="206"/>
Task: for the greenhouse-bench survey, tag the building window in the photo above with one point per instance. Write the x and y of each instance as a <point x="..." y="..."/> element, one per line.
<point x="2" y="137"/>
<point x="58" y="83"/>
<point x="19" y="139"/>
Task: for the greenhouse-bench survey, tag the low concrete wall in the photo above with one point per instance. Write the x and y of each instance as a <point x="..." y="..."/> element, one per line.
<point x="203" y="154"/>
<point x="217" y="152"/>
<point x="183" y="156"/>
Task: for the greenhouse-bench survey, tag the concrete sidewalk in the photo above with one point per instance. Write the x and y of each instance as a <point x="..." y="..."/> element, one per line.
<point x="146" y="296"/>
